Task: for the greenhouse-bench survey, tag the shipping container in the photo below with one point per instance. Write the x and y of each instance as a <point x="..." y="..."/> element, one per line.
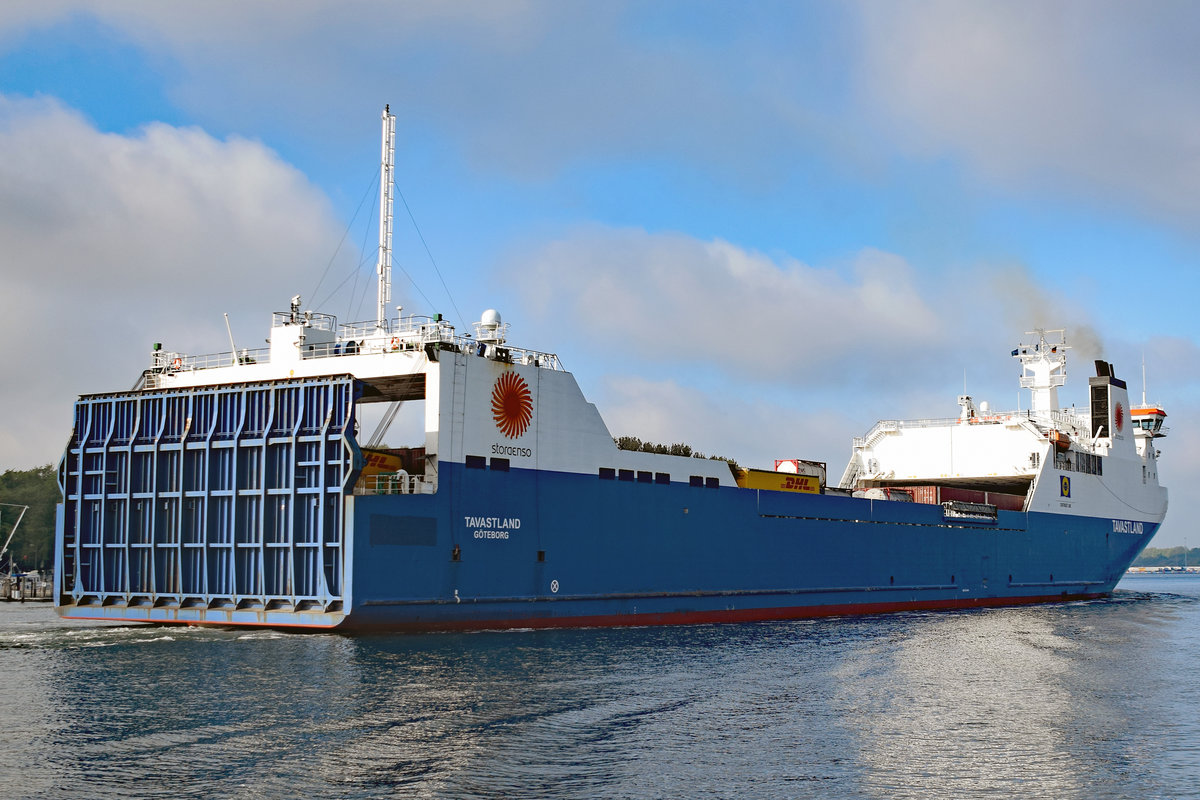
<point x="936" y="495"/>
<point x="778" y="481"/>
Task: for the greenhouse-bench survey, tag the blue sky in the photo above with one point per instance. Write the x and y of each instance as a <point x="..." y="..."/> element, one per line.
<point x="756" y="228"/>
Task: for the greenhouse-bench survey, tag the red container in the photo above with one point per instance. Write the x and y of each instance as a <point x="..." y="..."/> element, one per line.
<point x="1007" y="502"/>
<point x="928" y="495"/>
<point x="966" y="495"/>
<point x="936" y="495"/>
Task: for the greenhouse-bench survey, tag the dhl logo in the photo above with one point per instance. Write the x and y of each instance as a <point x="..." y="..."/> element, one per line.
<point x="380" y="460"/>
<point x="801" y="483"/>
<point x="375" y="462"/>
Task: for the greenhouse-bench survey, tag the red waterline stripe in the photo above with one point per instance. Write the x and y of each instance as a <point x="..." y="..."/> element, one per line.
<point x="629" y="620"/>
<point x="715" y="616"/>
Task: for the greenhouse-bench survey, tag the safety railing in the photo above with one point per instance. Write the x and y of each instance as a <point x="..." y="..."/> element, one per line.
<point x="1066" y="420"/>
<point x="395" y="483"/>
<point x="322" y="322"/>
<point x="402" y="334"/>
<point x="164" y="361"/>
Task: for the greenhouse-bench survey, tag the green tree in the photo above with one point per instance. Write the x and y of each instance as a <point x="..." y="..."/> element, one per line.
<point x="1168" y="557"/>
<point x="32" y="546"/>
<point x="676" y="449"/>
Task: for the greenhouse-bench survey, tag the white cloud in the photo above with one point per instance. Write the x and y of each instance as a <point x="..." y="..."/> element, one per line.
<point x="522" y="88"/>
<point x="713" y="303"/>
<point x="112" y="242"/>
<point x="1096" y="99"/>
<point x="872" y="331"/>
<point x="18" y="16"/>
<point x="1091" y="99"/>
<point x="752" y="431"/>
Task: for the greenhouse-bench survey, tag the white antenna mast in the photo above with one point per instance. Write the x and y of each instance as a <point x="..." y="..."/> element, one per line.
<point x="229" y="330"/>
<point x="384" y="265"/>
<point x="1143" y="377"/>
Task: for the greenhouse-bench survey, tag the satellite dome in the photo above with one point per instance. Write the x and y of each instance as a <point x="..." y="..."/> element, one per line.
<point x="490" y="319"/>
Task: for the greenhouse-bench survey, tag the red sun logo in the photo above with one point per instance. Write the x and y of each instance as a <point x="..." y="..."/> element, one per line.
<point x="1119" y="417"/>
<point x="512" y="404"/>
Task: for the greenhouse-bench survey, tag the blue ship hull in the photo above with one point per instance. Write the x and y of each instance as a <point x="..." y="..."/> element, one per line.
<point x="592" y="552"/>
<point x="624" y="553"/>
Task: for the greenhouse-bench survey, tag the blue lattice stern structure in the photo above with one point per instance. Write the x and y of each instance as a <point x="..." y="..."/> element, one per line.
<point x="218" y="504"/>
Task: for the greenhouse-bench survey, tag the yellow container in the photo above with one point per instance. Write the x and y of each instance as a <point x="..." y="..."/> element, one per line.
<point x="778" y="481"/>
<point x="379" y="461"/>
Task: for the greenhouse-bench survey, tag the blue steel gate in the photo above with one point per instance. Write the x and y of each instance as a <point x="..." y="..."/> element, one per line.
<point x="196" y="504"/>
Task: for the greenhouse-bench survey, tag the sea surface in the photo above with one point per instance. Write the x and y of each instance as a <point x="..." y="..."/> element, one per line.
<point x="1092" y="700"/>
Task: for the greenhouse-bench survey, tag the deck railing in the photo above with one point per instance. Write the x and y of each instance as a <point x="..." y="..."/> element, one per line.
<point x="395" y="483"/>
<point x="401" y="334"/>
<point x="1063" y="419"/>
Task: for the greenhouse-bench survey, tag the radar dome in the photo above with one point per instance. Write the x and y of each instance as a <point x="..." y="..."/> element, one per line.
<point x="490" y="319"/>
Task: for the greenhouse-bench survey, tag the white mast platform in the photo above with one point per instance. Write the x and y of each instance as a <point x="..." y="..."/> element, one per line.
<point x="1045" y="365"/>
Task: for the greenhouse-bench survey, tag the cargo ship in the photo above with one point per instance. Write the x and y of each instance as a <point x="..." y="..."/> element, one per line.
<point x="234" y="489"/>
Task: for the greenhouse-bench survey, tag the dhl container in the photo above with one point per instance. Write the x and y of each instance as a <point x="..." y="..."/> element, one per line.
<point x="377" y="461"/>
<point x="778" y="481"/>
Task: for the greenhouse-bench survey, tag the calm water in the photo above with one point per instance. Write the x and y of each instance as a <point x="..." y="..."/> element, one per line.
<point x="1087" y="700"/>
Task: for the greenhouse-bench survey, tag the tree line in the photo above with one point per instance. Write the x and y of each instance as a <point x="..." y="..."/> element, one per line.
<point x="1168" y="557"/>
<point x="676" y="449"/>
<point x="32" y="546"/>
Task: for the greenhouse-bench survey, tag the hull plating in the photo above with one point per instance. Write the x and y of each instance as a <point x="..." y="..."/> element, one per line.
<point x="536" y="549"/>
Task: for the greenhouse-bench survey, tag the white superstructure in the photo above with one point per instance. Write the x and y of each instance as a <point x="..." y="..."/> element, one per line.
<point x="456" y="375"/>
<point x="1101" y="462"/>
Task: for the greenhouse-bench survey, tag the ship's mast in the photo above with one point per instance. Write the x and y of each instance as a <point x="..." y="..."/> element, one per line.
<point x="384" y="265"/>
<point x="1143" y="378"/>
<point x="1045" y="365"/>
